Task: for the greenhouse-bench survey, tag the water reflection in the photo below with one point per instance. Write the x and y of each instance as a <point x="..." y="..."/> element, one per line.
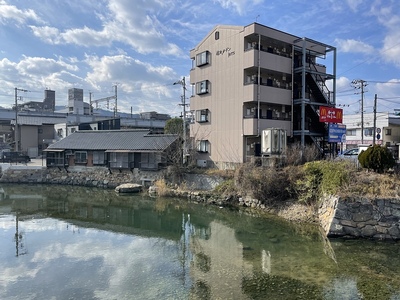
<point x="77" y="243"/>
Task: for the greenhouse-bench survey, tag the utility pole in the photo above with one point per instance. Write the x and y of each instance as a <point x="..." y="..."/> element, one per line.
<point x="16" y="116"/>
<point x="107" y="99"/>
<point x="183" y="84"/>
<point x="374" y="132"/>
<point x="361" y="84"/>
<point x="90" y="104"/>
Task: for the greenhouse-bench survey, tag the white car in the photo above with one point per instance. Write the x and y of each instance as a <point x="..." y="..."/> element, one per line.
<point x="351" y="154"/>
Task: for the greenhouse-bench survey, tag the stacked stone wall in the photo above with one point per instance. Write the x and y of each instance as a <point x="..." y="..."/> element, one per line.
<point x="360" y="217"/>
<point x="89" y="176"/>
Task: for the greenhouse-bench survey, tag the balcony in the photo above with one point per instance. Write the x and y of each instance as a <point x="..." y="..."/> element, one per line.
<point x="268" y="61"/>
<point x="268" y="94"/>
<point x="250" y="125"/>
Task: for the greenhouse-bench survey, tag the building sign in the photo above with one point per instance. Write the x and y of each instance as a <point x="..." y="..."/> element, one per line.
<point x="227" y="50"/>
<point x="337" y="133"/>
<point x="330" y="114"/>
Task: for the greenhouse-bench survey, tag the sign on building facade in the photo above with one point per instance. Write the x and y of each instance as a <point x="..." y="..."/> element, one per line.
<point x="330" y="114"/>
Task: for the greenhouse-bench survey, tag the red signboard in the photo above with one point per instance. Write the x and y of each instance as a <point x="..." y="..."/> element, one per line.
<point x="330" y="114"/>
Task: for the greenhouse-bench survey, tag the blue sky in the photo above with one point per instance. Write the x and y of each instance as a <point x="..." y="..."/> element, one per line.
<point x="143" y="46"/>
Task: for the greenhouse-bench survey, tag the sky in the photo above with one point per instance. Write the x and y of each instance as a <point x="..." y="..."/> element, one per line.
<point x="142" y="47"/>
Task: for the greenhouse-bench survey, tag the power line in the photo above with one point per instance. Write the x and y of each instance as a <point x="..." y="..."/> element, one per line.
<point x="371" y="58"/>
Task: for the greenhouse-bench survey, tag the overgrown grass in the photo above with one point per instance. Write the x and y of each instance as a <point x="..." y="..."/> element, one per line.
<point x="305" y="183"/>
<point x="322" y="177"/>
<point x="263" y="183"/>
<point x="162" y="188"/>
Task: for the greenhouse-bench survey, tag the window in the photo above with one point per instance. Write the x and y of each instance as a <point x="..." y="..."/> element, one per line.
<point x="98" y="157"/>
<point x="368" y="131"/>
<point x="202" y="115"/>
<point x="202" y="58"/>
<point x="59" y="132"/>
<point x="190" y="117"/>
<point x="388" y="131"/>
<point x="55" y="159"/>
<point x="80" y="157"/>
<point x="216" y="35"/>
<point x="149" y="161"/>
<point x="119" y="160"/>
<point x="40" y="130"/>
<point x="351" y="132"/>
<point x="203" y="146"/>
<point x="202" y="87"/>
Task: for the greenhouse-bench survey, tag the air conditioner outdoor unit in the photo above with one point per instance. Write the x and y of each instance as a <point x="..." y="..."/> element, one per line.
<point x="202" y="163"/>
<point x="273" y="141"/>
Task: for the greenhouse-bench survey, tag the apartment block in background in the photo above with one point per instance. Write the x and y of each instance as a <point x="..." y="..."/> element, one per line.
<point x="246" y="79"/>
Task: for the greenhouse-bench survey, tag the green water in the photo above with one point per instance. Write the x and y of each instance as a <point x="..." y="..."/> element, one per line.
<point x="63" y="242"/>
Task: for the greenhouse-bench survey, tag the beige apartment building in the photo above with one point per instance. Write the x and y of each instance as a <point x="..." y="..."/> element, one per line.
<point x="246" y="79"/>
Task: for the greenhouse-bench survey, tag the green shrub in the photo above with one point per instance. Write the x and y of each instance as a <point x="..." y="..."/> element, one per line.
<point x="322" y="177"/>
<point x="226" y="188"/>
<point x="378" y="158"/>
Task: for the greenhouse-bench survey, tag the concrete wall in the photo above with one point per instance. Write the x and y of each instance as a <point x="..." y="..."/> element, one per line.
<point x="360" y="217"/>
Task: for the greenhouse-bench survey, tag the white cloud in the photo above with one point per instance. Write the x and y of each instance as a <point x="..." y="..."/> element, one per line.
<point x="38" y="72"/>
<point x="354" y="46"/>
<point x="387" y="15"/>
<point x="389" y="89"/>
<point x="239" y="6"/>
<point x="342" y="84"/>
<point x="133" y="25"/>
<point x="140" y="84"/>
<point x="48" y="34"/>
<point x="11" y="12"/>
<point x="391" y="48"/>
<point x="125" y="69"/>
<point x="354" y="4"/>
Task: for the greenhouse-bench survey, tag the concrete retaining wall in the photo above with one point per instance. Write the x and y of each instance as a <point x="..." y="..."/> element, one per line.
<point x="360" y="217"/>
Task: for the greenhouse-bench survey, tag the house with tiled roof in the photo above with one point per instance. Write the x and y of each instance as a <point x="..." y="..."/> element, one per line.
<point x="114" y="149"/>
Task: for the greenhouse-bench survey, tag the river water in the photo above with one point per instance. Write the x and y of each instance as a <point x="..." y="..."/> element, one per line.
<point x="64" y="242"/>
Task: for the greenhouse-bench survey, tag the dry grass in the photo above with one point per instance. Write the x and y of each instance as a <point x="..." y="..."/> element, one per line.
<point x="373" y="185"/>
<point x="162" y="188"/>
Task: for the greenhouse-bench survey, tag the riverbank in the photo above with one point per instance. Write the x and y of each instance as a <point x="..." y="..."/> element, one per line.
<point x="375" y="214"/>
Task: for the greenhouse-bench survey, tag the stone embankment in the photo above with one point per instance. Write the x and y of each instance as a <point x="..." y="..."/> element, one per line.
<point x="359" y="217"/>
<point x="91" y="177"/>
<point x="339" y="217"/>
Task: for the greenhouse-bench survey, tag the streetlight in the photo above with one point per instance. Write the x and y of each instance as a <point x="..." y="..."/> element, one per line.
<point x="183" y="84"/>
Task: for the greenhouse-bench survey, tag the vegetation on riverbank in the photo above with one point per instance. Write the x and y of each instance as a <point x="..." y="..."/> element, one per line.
<point x="307" y="183"/>
<point x="298" y="186"/>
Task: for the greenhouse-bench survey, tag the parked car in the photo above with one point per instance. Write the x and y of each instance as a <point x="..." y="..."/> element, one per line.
<point x="351" y="154"/>
<point x="16" y="157"/>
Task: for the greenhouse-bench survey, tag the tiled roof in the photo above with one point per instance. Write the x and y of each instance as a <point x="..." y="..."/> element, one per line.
<point x="137" y="140"/>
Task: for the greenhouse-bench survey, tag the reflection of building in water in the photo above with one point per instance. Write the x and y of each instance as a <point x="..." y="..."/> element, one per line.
<point x="266" y="261"/>
<point x="218" y="261"/>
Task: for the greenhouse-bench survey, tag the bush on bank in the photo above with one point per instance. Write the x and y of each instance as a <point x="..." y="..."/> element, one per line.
<point x="377" y="158"/>
<point x="305" y="183"/>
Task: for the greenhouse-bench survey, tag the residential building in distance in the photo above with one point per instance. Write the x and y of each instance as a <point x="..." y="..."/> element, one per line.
<point x="246" y="79"/>
<point x="36" y="125"/>
<point x="114" y="149"/>
<point x="48" y="104"/>
<point x="384" y="130"/>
